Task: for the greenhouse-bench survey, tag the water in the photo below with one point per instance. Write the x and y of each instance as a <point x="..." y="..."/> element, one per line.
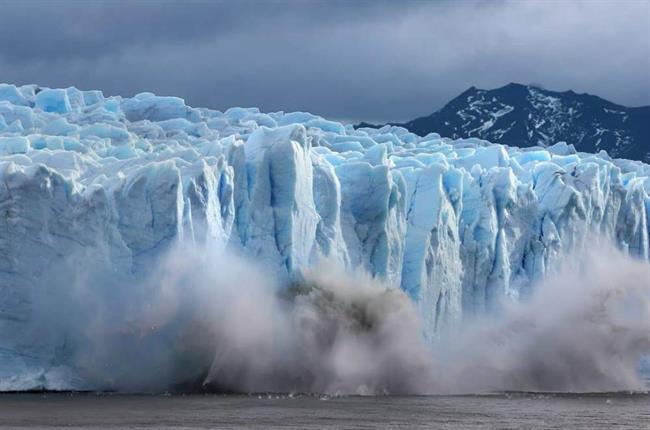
<point x="504" y="411"/>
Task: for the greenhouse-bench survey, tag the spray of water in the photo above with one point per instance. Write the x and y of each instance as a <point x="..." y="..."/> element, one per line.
<point x="209" y="320"/>
<point x="585" y="329"/>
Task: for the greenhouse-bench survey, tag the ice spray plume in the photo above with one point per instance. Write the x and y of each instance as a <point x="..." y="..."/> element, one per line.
<point x="209" y="320"/>
<point x="584" y="329"/>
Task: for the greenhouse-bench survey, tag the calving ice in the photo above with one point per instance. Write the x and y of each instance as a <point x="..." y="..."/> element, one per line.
<point x="109" y="185"/>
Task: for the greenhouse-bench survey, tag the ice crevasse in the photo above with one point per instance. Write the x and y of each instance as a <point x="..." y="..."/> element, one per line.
<point x="457" y="224"/>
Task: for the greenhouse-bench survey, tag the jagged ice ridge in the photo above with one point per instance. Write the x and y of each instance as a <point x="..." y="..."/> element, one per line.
<point x="457" y="224"/>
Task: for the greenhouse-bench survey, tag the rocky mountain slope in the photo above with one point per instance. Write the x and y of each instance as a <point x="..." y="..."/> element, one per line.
<point x="524" y="116"/>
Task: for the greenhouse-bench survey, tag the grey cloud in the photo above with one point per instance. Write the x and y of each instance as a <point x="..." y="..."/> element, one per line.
<point x="67" y="29"/>
<point x="342" y="59"/>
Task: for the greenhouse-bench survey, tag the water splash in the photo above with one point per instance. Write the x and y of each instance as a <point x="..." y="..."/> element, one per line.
<point x="209" y="320"/>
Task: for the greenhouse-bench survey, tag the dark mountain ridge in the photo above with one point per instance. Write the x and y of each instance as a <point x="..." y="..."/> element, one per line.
<point x="524" y="115"/>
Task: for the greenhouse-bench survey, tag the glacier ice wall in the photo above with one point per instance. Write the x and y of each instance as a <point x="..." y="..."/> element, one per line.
<point x="459" y="225"/>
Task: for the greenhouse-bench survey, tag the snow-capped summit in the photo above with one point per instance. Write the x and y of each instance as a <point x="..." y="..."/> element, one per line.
<point x="520" y="115"/>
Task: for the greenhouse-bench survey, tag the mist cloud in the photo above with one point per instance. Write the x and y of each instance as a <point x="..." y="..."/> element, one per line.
<point x="203" y="319"/>
<point x="584" y="329"/>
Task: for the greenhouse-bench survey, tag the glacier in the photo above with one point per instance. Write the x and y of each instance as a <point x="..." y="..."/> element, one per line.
<point x="459" y="225"/>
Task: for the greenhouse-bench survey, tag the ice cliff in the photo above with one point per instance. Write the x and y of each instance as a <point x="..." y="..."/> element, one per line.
<point x="457" y="224"/>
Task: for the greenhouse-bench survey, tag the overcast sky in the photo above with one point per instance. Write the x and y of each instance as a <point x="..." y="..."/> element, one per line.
<point x="347" y="60"/>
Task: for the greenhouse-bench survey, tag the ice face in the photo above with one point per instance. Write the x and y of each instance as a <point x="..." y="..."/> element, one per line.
<point x="458" y="225"/>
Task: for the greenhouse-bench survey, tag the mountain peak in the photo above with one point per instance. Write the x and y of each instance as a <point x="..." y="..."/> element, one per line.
<point x="530" y="115"/>
<point x="517" y="85"/>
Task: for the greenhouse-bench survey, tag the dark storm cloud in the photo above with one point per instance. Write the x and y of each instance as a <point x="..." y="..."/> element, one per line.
<point x="351" y="60"/>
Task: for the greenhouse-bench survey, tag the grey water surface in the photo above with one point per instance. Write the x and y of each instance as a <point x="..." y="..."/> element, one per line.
<point x="503" y="411"/>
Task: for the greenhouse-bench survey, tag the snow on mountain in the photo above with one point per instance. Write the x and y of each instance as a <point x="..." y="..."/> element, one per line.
<point x="525" y="116"/>
<point x="457" y="224"/>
